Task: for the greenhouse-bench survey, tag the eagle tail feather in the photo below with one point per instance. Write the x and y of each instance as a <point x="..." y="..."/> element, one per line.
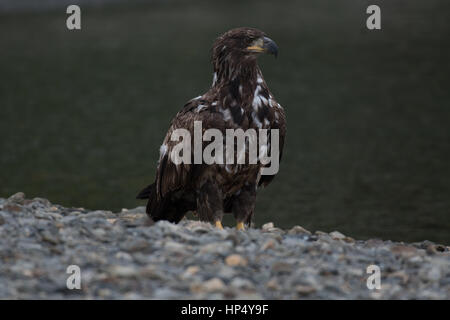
<point x="160" y="209"/>
<point x="168" y="208"/>
<point x="145" y="193"/>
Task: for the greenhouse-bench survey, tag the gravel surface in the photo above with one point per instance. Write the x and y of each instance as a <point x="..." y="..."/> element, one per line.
<point x="122" y="256"/>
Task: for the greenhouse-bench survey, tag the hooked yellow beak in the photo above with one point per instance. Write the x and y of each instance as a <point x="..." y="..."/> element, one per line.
<point x="265" y="45"/>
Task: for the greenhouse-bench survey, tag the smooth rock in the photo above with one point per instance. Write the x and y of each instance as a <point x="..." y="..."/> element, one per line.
<point x="212" y="285"/>
<point x="18" y="197"/>
<point x="267" y="226"/>
<point x="298" y="230"/>
<point x="236" y="260"/>
<point x="336" y="235"/>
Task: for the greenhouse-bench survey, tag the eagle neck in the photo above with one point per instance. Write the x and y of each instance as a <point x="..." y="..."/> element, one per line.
<point x="230" y="67"/>
<point x="240" y="81"/>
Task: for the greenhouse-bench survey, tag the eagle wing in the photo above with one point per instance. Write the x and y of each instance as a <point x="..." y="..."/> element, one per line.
<point x="279" y="123"/>
<point x="169" y="176"/>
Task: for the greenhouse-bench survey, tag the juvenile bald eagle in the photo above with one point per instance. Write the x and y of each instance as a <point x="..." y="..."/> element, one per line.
<point x="238" y="99"/>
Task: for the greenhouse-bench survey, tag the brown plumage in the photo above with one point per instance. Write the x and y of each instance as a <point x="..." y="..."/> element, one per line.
<point x="238" y="98"/>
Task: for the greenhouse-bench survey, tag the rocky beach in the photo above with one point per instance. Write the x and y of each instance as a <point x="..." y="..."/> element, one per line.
<point x="123" y="256"/>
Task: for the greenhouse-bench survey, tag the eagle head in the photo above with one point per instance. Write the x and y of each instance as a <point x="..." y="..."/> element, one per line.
<point x="243" y="43"/>
<point x="234" y="53"/>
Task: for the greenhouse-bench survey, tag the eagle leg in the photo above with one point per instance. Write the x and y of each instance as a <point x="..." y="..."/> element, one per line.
<point x="219" y="224"/>
<point x="244" y="206"/>
<point x="210" y="204"/>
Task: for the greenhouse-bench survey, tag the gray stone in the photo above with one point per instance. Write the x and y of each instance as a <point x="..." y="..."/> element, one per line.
<point x="122" y="257"/>
<point x="18" y="197"/>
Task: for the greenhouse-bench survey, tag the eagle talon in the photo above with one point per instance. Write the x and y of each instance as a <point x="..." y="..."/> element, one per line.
<point x="240" y="226"/>
<point x="219" y="225"/>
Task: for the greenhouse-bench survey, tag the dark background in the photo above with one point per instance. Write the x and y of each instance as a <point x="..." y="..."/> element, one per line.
<point x="83" y="113"/>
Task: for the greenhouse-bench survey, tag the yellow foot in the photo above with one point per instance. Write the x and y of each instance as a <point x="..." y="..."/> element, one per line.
<point x="240" y="226"/>
<point x="219" y="224"/>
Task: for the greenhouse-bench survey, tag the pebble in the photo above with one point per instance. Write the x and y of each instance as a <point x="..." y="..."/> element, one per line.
<point x="226" y="272"/>
<point x="123" y="256"/>
<point x="269" y="244"/>
<point x="123" y="271"/>
<point x="212" y="285"/>
<point x="281" y="267"/>
<point x="405" y="251"/>
<point x="217" y="247"/>
<point x="336" y="235"/>
<point x="304" y="290"/>
<point x="242" y="283"/>
<point x="49" y="237"/>
<point x="272" y="284"/>
<point x="267" y="226"/>
<point x="236" y="260"/>
<point x="190" y="271"/>
<point x="18" y="197"/>
<point x="298" y="230"/>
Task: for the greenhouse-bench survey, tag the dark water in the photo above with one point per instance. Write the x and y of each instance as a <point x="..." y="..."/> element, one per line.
<point x="82" y="114"/>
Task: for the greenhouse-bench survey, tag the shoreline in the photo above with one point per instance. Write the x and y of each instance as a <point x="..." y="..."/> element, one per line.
<point x="121" y="256"/>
